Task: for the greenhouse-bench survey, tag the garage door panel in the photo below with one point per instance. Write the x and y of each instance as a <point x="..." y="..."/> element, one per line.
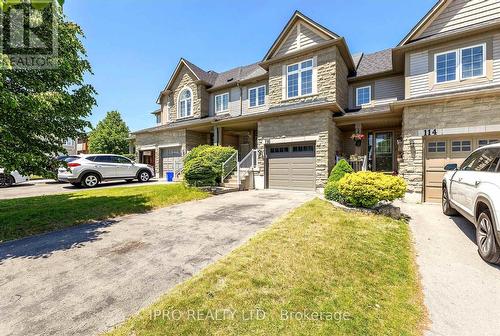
<point x="292" y="169"/>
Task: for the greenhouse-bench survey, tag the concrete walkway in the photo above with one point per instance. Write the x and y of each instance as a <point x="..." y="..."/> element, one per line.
<point x="462" y="292"/>
<point x="84" y="280"/>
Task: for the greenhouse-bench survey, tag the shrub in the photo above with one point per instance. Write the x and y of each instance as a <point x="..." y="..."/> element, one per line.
<point x="341" y="168"/>
<point x="367" y="189"/>
<point x="331" y="189"/>
<point x="203" y="164"/>
<point x="131" y="156"/>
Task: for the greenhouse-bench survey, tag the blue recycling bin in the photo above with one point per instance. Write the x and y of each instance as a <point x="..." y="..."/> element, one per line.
<point x="170" y="176"/>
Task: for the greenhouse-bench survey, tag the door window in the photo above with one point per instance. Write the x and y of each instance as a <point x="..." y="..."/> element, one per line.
<point x="103" y="159"/>
<point x="383" y="152"/>
<point x="120" y="159"/>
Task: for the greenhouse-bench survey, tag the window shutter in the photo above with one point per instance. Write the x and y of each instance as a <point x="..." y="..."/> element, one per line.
<point x="283" y="82"/>
<point x="315" y="75"/>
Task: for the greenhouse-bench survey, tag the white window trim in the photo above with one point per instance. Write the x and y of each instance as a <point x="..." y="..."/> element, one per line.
<point x="458" y="66"/>
<point x="179" y="103"/>
<point x="369" y="95"/>
<point x="222" y="102"/>
<point x="256" y="88"/>
<point x="298" y="71"/>
<point x="483" y="45"/>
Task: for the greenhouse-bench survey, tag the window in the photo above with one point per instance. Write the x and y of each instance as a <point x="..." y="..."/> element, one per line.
<point x="103" y="159"/>
<point x="446" y="67"/>
<point x="279" y="150"/>
<point x="363" y="95"/>
<point x="436" y="147"/>
<point x="121" y="159"/>
<point x="257" y="96"/>
<point x="69" y="142"/>
<point x="472" y="61"/>
<point x="300" y="79"/>
<point x="461" y="146"/>
<point x="303" y="148"/>
<point x="222" y="102"/>
<point x="483" y="143"/>
<point x="185" y="103"/>
<point x="158" y="118"/>
<point x="485" y="160"/>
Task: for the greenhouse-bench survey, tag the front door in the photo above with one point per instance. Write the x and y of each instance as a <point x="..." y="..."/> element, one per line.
<point x="384" y="153"/>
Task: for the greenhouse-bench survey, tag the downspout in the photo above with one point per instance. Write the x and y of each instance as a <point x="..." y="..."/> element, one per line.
<point x="241" y="97"/>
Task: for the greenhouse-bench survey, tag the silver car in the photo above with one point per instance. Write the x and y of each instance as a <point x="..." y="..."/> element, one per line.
<point x="91" y="169"/>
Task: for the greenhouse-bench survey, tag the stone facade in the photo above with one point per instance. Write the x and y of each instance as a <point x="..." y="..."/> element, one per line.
<point x="328" y="70"/>
<point x="475" y="115"/>
<point x="313" y="126"/>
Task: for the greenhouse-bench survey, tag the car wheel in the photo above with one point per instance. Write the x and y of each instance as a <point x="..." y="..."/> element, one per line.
<point x="6" y="181"/>
<point x="445" y="201"/>
<point x="485" y="238"/>
<point x="144" y="176"/>
<point x="90" y="180"/>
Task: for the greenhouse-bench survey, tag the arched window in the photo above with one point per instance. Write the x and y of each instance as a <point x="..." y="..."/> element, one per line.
<point x="185" y="103"/>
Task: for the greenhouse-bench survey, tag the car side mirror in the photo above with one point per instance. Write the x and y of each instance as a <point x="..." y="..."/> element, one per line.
<point x="451" y="166"/>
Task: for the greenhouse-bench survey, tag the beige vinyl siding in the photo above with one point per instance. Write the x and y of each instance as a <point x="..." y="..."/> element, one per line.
<point x="496" y="58"/>
<point x="233" y="105"/>
<point x="256" y="109"/>
<point x="419" y="73"/>
<point x="462" y="13"/>
<point x="300" y="36"/>
<point x="384" y="90"/>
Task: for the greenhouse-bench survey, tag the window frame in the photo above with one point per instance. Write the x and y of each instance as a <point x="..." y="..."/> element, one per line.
<point x="179" y="101"/>
<point x="458" y="66"/>
<point x="482" y="45"/>
<point x="222" y="102"/>
<point x="299" y="78"/>
<point x="461" y="141"/>
<point x="256" y="88"/>
<point x="436" y="146"/>
<point x="158" y="118"/>
<point x="369" y="94"/>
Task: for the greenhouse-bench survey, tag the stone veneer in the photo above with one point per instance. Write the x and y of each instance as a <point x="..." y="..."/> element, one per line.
<point x="473" y="115"/>
<point x="330" y="69"/>
<point x="318" y="126"/>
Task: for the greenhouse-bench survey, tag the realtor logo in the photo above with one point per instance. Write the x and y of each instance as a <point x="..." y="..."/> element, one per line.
<point x="28" y="31"/>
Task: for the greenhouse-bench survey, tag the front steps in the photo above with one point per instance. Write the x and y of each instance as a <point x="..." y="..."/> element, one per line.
<point x="232" y="181"/>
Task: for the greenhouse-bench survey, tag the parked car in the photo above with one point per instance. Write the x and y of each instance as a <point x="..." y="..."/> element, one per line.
<point x="91" y="169"/>
<point x="7" y="180"/>
<point x="67" y="158"/>
<point x="473" y="190"/>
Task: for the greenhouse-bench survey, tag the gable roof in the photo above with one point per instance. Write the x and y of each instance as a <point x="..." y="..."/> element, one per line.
<point x="290" y="24"/>
<point x="238" y="74"/>
<point x="425" y="21"/>
<point x="377" y="62"/>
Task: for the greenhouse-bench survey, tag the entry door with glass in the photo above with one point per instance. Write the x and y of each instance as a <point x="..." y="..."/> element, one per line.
<point x="384" y="152"/>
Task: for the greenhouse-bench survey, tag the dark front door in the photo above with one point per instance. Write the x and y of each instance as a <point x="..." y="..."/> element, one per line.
<point x="384" y="152"/>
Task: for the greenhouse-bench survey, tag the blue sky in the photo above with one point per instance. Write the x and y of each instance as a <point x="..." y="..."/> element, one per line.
<point x="134" y="46"/>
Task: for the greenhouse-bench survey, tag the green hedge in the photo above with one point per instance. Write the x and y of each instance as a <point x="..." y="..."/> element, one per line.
<point x="203" y="164"/>
<point x="331" y="189"/>
<point x="366" y="189"/>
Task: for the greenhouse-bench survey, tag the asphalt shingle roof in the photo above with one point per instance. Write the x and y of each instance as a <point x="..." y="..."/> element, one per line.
<point x="376" y="62"/>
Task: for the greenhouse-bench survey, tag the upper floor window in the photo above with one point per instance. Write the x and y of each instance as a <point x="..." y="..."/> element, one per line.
<point x="69" y="142"/>
<point x="222" y="102"/>
<point x="470" y="64"/>
<point x="472" y="60"/>
<point x="363" y="95"/>
<point x="300" y="79"/>
<point x="185" y="103"/>
<point x="257" y="96"/>
<point x="158" y="118"/>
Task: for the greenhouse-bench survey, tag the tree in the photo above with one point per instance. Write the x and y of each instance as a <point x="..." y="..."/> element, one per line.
<point x="41" y="108"/>
<point x="110" y="135"/>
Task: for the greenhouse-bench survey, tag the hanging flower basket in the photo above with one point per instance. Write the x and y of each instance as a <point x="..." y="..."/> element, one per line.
<point x="358" y="138"/>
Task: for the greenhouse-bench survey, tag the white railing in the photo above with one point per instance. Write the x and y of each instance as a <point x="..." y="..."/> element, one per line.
<point x="178" y="166"/>
<point x="229" y="166"/>
<point x="248" y="163"/>
<point x="358" y="163"/>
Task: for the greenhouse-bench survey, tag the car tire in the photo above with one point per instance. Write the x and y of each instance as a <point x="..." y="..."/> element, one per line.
<point x="446" y="204"/>
<point x="144" y="176"/>
<point x="6" y="181"/>
<point x="485" y="238"/>
<point x="90" y="180"/>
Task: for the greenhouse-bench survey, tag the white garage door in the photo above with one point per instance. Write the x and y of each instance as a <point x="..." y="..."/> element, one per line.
<point x="439" y="151"/>
<point x="292" y="166"/>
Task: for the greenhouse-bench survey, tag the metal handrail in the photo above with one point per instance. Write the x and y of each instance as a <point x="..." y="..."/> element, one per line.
<point x="229" y="166"/>
<point x="248" y="162"/>
<point x="178" y="167"/>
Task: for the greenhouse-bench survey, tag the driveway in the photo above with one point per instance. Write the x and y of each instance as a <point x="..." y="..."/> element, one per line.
<point x="84" y="280"/>
<point x="462" y="292"/>
<point x="34" y="188"/>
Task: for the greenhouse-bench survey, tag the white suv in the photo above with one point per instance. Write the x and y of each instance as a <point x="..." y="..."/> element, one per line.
<point x="473" y="190"/>
<point x="91" y="169"/>
<point x="11" y="179"/>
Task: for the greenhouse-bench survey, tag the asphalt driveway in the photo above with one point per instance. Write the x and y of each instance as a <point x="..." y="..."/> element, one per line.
<point x="461" y="291"/>
<point x="84" y="280"/>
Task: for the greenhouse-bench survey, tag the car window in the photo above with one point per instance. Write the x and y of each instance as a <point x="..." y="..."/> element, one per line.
<point x="103" y="159"/>
<point x="71" y="158"/>
<point x="485" y="160"/>
<point x="121" y="159"/>
<point x="469" y="162"/>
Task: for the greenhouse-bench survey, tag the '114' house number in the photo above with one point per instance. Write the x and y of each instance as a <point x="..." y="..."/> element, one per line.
<point x="430" y="132"/>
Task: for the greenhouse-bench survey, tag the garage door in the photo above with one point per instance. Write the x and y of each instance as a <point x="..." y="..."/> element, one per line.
<point x="169" y="155"/>
<point x="439" y="151"/>
<point x="292" y="166"/>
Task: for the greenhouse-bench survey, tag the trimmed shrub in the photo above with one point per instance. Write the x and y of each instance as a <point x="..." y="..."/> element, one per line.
<point x="341" y="168"/>
<point x="366" y="189"/>
<point x="203" y="164"/>
<point x="331" y="189"/>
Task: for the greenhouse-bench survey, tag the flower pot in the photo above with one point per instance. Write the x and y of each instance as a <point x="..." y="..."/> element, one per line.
<point x="357" y="143"/>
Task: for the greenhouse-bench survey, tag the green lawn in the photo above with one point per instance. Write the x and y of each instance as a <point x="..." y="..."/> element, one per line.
<point x="23" y="217"/>
<point x="355" y="271"/>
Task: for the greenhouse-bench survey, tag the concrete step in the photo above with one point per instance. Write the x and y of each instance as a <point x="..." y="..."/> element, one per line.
<point x="230" y="185"/>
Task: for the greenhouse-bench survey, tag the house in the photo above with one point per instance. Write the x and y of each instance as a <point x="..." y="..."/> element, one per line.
<point x="428" y="101"/>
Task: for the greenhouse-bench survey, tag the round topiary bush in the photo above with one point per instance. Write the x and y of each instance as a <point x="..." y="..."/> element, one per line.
<point x="203" y="164"/>
<point x="366" y="189"/>
<point x="331" y="189"/>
